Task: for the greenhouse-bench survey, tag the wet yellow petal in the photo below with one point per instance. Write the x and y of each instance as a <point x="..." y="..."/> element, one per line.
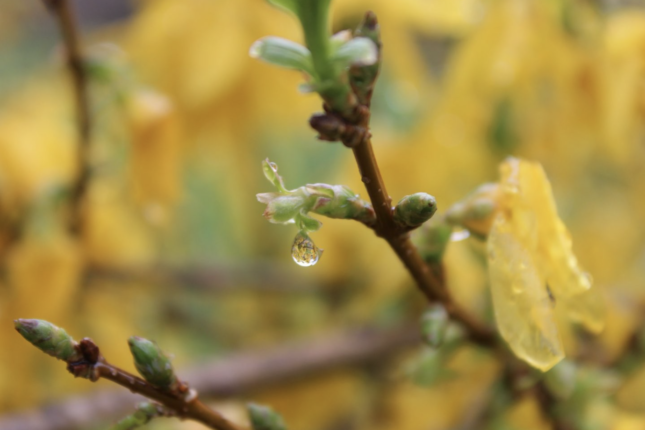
<point x="530" y="198"/>
<point x="523" y="310"/>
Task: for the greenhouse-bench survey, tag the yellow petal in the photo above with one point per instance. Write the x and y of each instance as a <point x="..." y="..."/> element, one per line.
<point x="155" y="149"/>
<point x="588" y="308"/>
<point x="523" y="310"/>
<point x="534" y="214"/>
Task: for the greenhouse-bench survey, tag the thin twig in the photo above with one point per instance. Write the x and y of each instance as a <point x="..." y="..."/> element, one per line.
<point x="353" y="131"/>
<point x="181" y="400"/>
<point x="234" y="375"/>
<point x="64" y="14"/>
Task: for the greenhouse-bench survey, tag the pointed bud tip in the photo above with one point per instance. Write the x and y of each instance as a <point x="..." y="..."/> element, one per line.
<point x="370" y="21"/>
<point x="256" y="49"/>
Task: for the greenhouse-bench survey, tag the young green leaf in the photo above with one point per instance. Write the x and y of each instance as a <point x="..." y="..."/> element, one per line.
<point x="284" y="53"/>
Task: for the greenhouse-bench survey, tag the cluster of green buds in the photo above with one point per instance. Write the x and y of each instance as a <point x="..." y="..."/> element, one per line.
<point x="49" y="338"/>
<point x="293" y="207"/>
<point x="152" y="364"/>
<point x="326" y="59"/>
<point x="264" y="418"/>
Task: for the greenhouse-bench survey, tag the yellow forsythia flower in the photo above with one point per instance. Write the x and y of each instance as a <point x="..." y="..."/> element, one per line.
<point x="532" y="268"/>
<point x="156" y="151"/>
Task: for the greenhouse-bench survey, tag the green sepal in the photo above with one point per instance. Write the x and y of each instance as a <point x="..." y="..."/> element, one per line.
<point x="307" y="223"/>
<point x="151" y="363"/>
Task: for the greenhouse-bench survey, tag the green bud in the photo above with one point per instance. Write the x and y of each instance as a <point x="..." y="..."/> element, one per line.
<point x="359" y="51"/>
<point x="476" y="211"/>
<point x="432" y="239"/>
<point x="265" y="418"/>
<point x="145" y="412"/>
<point x="414" y="210"/>
<point x="283" y="53"/>
<point x="152" y="363"/>
<point x="429" y="368"/>
<point x="363" y="78"/>
<point x="434" y="323"/>
<point x="561" y="379"/>
<point x="48" y="338"/>
<point x="338" y="201"/>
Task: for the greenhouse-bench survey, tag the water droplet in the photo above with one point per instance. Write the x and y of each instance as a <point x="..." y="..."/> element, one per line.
<point x="304" y="252"/>
<point x="366" y="180"/>
<point x="458" y="236"/>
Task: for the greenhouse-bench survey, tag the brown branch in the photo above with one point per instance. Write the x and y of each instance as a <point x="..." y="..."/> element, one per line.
<point x="353" y="131"/>
<point x="235" y="375"/>
<point x="182" y="400"/>
<point x="185" y="408"/>
<point x="62" y="10"/>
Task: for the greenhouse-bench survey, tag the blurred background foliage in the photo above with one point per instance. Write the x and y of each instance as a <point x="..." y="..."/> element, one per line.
<point x="183" y="118"/>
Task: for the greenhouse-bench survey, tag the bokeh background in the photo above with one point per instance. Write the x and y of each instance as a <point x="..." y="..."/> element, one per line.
<point x="175" y="248"/>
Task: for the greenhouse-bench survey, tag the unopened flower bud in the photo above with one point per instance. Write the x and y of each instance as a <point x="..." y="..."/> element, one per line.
<point x="152" y="363"/>
<point x="48" y="338"/>
<point x="434" y="323"/>
<point x="414" y="210"/>
<point x="265" y="418"/>
<point x="476" y="211"/>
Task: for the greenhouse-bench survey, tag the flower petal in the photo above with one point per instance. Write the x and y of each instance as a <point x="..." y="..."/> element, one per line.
<point x="523" y="310"/>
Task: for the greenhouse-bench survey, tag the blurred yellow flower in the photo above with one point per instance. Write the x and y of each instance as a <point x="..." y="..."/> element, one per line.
<point x="532" y="265"/>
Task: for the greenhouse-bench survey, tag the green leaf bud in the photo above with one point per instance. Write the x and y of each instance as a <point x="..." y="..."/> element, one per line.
<point x="48" y="338"/>
<point x="561" y="379"/>
<point x="283" y="53"/>
<point x="414" y="210"/>
<point x="338" y="201"/>
<point x="265" y="418"/>
<point x="432" y="239"/>
<point x="476" y="211"/>
<point x="363" y="78"/>
<point x="152" y="363"/>
<point x="359" y="51"/>
<point x="434" y="323"/>
<point x="145" y="412"/>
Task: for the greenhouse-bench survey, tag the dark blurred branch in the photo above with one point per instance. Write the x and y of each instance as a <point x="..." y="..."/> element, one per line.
<point x="215" y="277"/>
<point x="234" y="375"/>
<point x="62" y="11"/>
